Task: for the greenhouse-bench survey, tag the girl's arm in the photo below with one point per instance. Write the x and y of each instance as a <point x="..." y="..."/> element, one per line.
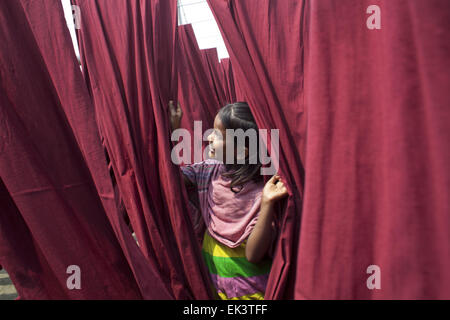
<point x="259" y="240"/>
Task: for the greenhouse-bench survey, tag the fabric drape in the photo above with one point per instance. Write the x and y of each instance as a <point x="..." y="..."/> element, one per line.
<point x="378" y="125"/>
<point x="128" y="50"/>
<point x="195" y="93"/>
<point x="211" y="62"/>
<point x="363" y="118"/>
<point x="54" y="187"/>
<point x="227" y="78"/>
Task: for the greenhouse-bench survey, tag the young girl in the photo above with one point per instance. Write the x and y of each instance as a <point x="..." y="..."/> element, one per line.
<point x="237" y="209"/>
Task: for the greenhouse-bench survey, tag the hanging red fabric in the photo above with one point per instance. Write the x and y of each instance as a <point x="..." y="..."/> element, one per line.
<point x="211" y="63"/>
<point x="195" y="94"/>
<point x="53" y="205"/>
<point x="227" y="78"/>
<point x="365" y="113"/>
<point x="129" y="54"/>
<point x="377" y="184"/>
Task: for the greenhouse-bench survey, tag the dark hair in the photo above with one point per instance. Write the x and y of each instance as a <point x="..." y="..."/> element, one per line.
<point x="239" y="116"/>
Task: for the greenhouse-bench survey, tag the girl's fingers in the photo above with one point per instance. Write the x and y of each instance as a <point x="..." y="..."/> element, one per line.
<point x="275" y="180"/>
<point x="176" y="111"/>
<point x="282" y="188"/>
<point x="272" y="180"/>
<point x="278" y="179"/>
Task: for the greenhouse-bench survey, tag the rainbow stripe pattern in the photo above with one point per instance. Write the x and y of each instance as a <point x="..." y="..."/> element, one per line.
<point x="233" y="276"/>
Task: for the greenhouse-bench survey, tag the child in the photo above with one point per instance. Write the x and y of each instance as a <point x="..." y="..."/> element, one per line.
<point x="237" y="209"/>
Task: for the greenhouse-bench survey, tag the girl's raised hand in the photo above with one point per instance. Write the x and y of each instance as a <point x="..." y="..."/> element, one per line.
<point x="274" y="190"/>
<point x="175" y="113"/>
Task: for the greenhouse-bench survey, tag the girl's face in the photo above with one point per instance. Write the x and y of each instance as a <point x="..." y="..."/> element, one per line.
<point x="217" y="141"/>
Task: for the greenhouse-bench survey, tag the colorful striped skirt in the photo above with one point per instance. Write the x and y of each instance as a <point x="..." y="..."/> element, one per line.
<point x="233" y="276"/>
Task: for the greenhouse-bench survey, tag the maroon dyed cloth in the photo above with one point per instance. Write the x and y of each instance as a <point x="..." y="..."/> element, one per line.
<point x="195" y="93"/>
<point x="227" y="78"/>
<point x="211" y="62"/>
<point x="55" y="192"/>
<point x="128" y="53"/>
<point x="364" y="114"/>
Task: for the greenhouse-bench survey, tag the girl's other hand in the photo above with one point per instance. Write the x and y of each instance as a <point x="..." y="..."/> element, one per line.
<point x="274" y="190"/>
<point x="176" y="113"/>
